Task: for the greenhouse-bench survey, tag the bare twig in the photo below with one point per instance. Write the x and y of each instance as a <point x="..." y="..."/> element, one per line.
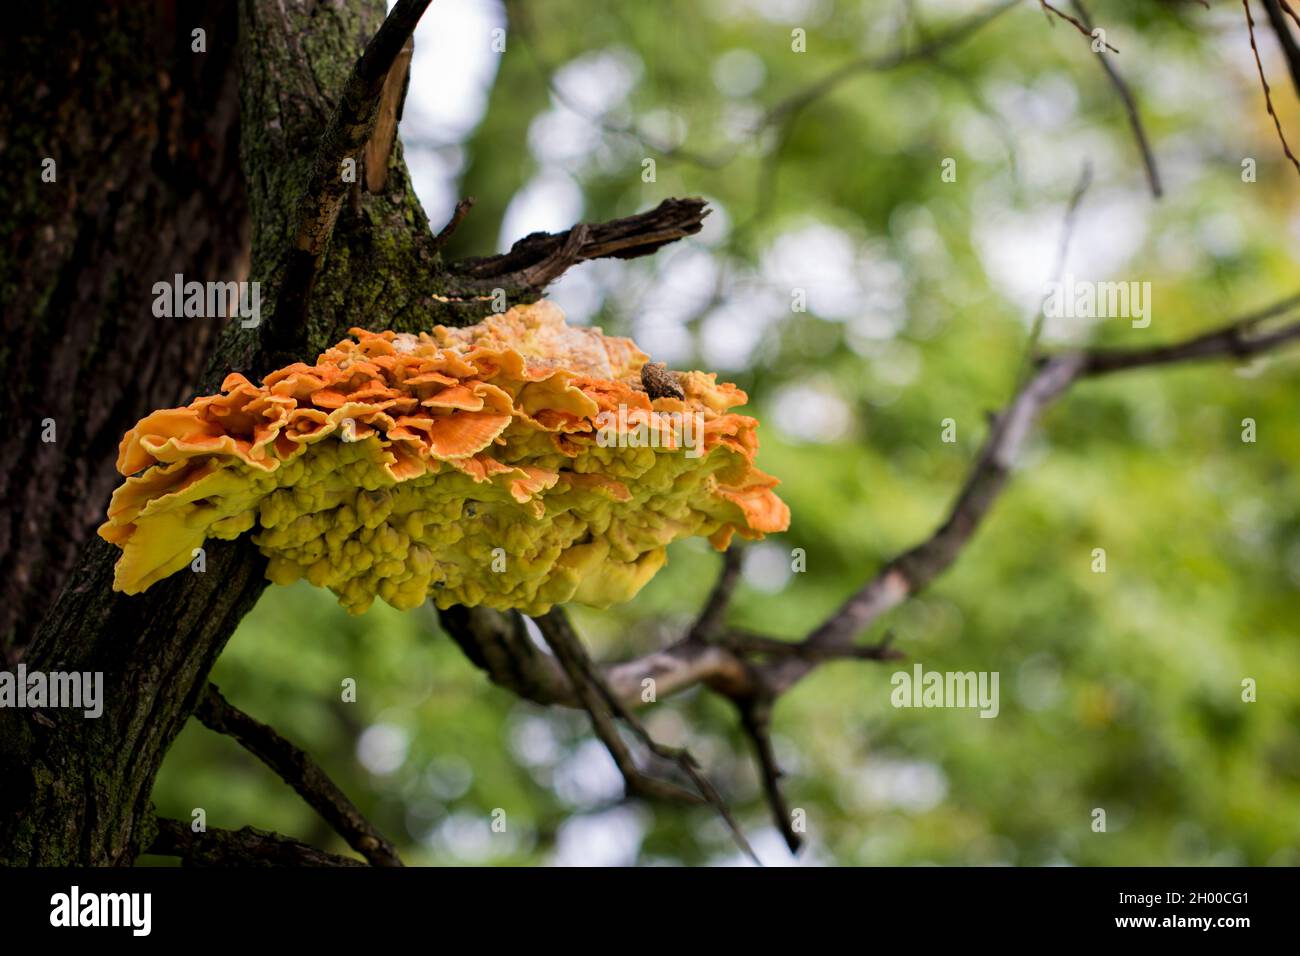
<point x="1268" y="94"/>
<point x="784" y="108"/>
<point x="462" y="209"/>
<point x="246" y="847"/>
<point x="1278" y="11"/>
<point x="756" y="720"/>
<point x="709" y="624"/>
<point x="959" y="32"/>
<point x="1062" y="252"/>
<point x="299" y="771"/>
<point x="1130" y="108"/>
<point x="1083" y="28"/>
<point x="910" y="572"/>
<point x="349" y="130"/>
<point x="568" y="650"/>
<point x="602" y="705"/>
<point x="498" y="644"/>
<point x="759" y="645"/>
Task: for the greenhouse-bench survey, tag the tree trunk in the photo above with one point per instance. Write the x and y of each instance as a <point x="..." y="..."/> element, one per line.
<point x="76" y="790"/>
<point x="147" y="190"/>
<point x="144" y="137"/>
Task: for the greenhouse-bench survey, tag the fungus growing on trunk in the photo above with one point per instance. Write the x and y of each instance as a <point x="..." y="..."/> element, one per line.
<point x="517" y="463"/>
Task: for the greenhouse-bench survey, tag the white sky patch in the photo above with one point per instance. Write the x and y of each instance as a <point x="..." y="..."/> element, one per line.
<point x="563" y="137"/>
<point x="533" y="741"/>
<point x="452" y="71"/>
<point x="448" y="777"/>
<point x="671" y="344"/>
<point x="731" y="333"/>
<point x="434" y="174"/>
<point x="588" y="776"/>
<point x="738" y="122"/>
<point x="716" y="226"/>
<point x="813" y="413"/>
<point x="382" y="748"/>
<point x="470" y="837"/>
<point x="611" y="838"/>
<point x="549" y="202"/>
<point x="665" y="128"/>
<point x="766" y="567"/>
<point x="769" y="846"/>
<point x="596" y="83"/>
<point x="683" y="286"/>
<point x="1049" y="105"/>
<point x="842" y="277"/>
<point x="792" y="12"/>
<point x="1019" y="248"/>
<point x="579" y="293"/>
<point x="738" y="73"/>
<point x="587" y="88"/>
<point x="885" y="783"/>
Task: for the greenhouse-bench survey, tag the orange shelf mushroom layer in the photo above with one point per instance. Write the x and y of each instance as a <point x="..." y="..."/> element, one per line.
<point x="517" y="463"/>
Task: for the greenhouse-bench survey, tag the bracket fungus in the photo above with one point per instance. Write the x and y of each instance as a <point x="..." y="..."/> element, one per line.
<point x="517" y="463"/>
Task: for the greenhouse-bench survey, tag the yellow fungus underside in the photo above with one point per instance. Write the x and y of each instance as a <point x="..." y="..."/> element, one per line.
<point x="460" y="465"/>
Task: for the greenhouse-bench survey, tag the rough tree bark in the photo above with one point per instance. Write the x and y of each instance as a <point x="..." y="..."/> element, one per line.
<point x="144" y="136"/>
<point x="76" y="790"/>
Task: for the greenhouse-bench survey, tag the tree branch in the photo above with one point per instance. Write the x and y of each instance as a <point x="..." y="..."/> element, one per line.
<point x="756" y="721"/>
<point x="540" y="258"/>
<point x="1277" y="11"/>
<point x="1268" y="93"/>
<point x="959" y="32"/>
<point x="246" y="847"/>
<point x="463" y="206"/>
<point x="296" y="768"/>
<point x="603" y="706"/>
<point x="1130" y="107"/>
<point x="910" y="572"/>
<point x="1083" y="27"/>
<point x="710" y="622"/>
<point x="498" y="644"/>
<point x="349" y="130"/>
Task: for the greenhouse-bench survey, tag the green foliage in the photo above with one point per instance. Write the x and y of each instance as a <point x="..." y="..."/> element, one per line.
<point x="1120" y="690"/>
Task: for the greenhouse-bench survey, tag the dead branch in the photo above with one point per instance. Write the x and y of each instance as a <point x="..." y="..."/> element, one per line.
<point x="603" y="706"/>
<point x="1130" y="108"/>
<point x="538" y="259"/>
<point x="1268" y="93"/>
<point x="296" y="768"/>
<point x="1278" y="11"/>
<point x="247" y="847"/>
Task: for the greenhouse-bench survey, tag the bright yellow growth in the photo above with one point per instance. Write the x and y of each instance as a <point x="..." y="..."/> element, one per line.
<point x="461" y="465"/>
